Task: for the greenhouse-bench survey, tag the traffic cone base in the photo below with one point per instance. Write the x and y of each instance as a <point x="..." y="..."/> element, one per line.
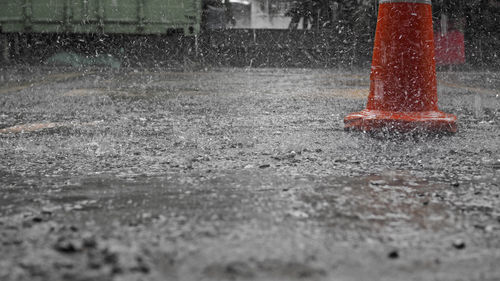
<point x="378" y="120"/>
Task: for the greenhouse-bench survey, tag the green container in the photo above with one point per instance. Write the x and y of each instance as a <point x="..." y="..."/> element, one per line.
<point x="100" y="16"/>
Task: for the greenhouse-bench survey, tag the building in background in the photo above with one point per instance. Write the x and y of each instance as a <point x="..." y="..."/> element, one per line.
<point x="302" y="14"/>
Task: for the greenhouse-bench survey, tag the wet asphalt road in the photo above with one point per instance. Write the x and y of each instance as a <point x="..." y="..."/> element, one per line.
<point x="240" y="174"/>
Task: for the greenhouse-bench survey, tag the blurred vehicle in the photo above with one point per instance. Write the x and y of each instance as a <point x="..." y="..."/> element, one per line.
<point x="100" y="16"/>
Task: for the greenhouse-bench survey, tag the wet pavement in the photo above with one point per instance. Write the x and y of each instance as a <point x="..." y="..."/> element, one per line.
<point x="240" y="174"/>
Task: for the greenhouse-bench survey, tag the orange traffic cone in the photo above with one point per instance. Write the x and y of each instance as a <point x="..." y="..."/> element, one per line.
<point x="403" y="86"/>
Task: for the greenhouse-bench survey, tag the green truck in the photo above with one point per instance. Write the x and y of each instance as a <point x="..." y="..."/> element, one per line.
<point x="100" y="16"/>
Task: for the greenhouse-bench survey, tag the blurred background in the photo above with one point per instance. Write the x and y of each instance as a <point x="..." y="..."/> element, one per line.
<point x="256" y="33"/>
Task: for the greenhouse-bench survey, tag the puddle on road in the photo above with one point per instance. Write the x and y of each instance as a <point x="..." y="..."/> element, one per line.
<point x="105" y="199"/>
<point x="92" y="92"/>
<point x="35" y="127"/>
<point x="388" y="200"/>
<point x="352" y="93"/>
<point x="47" y="79"/>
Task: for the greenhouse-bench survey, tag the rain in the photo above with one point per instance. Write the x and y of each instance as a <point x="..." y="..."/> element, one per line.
<point x="249" y="140"/>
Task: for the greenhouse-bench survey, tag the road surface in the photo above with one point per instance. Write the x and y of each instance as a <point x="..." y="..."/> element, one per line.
<point x="240" y="174"/>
